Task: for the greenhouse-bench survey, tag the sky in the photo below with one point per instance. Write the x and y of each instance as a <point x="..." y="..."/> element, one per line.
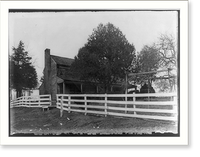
<point x="64" y="33"/>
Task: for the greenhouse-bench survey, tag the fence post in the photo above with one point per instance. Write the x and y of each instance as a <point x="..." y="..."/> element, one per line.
<point x="69" y="103"/>
<point x="50" y="100"/>
<point x="30" y="100"/>
<point x="39" y="101"/>
<point x="134" y="99"/>
<point x="85" y="100"/>
<point x="57" y="101"/>
<point x="61" y="107"/>
<point x="21" y="100"/>
<point x="27" y="101"/>
<point x="126" y="104"/>
<point x="175" y="107"/>
<point x="106" y="111"/>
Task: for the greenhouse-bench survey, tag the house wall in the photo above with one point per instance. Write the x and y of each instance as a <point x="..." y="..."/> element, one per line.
<point x="47" y="71"/>
<point x="53" y="81"/>
<point x="49" y="85"/>
<point x="53" y="85"/>
<point x="41" y="89"/>
<point x="33" y="92"/>
<point x="13" y="94"/>
<point x="89" y="88"/>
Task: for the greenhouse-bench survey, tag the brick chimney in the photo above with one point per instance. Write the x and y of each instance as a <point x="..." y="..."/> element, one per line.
<point x="47" y="58"/>
<point x="47" y="70"/>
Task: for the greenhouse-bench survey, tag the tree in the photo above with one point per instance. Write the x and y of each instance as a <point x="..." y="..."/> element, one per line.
<point x="147" y="61"/>
<point x="22" y="73"/>
<point x="106" y="57"/>
<point x="162" y="85"/>
<point x="168" y="51"/>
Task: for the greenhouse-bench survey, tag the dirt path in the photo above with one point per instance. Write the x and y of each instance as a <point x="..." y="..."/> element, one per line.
<point x="29" y="120"/>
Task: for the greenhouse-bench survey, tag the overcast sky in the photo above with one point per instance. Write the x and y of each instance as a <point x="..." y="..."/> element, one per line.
<point x="64" y="33"/>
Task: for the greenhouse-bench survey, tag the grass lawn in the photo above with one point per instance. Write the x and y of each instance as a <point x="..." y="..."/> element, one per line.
<point x="34" y="120"/>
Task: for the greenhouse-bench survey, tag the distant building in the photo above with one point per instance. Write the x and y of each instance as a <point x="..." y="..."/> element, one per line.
<point x="58" y="79"/>
<point x="28" y="92"/>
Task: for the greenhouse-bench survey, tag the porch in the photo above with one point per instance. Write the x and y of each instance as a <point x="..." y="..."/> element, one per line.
<point x="72" y="87"/>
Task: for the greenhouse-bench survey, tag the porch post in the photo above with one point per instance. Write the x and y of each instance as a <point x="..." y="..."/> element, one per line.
<point x="81" y="88"/>
<point x="97" y="89"/>
<point x="63" y="87"/>
<point x="111" y="88"/>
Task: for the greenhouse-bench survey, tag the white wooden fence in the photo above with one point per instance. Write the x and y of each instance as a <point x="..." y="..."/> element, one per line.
<point x="152" y="106"/>
<point x="31" y="101"/>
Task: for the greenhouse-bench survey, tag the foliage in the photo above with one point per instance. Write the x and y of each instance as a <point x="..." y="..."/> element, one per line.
<point x="162" y="85"/>
<point x="147" y="61"/>
<point x="106" y="57"/>
<point x="168" y="51"/>
<point x="22" y="73"/>
<point x="160" y="55"/>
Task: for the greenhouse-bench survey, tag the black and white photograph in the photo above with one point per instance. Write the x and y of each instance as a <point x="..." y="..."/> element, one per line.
<point x="94" y="72"/>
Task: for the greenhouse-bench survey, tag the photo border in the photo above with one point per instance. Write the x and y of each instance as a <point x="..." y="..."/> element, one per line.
<point x="11" y="140"/>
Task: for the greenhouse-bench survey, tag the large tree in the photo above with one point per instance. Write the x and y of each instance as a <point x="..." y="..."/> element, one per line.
<point x="168" y="50"/>
<point x="161" y="55"/>
<point x="106" y="57"/>
<point x="147" y="60"/>
<point x="167" y="46"/>
<point x="22" y="73"/>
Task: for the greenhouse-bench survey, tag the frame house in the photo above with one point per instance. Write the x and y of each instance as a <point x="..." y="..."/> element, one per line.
<point x="58" y="79"/>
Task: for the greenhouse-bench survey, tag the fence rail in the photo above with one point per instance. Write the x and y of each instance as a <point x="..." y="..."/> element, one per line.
<point x="31" y="101"/>
<point x="161" y="106"/>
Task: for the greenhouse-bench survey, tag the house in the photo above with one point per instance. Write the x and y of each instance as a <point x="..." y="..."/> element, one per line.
<point x="58" y="79"/>
<point x="27" y="92"/>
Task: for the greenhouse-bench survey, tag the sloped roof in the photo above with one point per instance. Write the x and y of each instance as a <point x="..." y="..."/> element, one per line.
<point x="69" y="77"/>
<point x="62" y="60"/>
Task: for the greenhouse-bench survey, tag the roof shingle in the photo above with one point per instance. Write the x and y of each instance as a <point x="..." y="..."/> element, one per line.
<point x="62" y="60"/>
